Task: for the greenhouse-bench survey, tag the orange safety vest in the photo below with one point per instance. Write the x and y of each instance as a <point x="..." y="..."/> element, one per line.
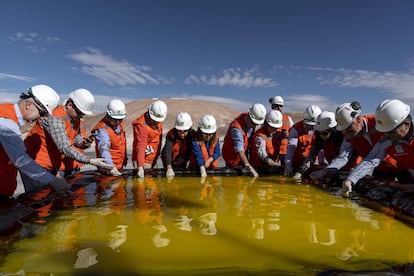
<point x="179" y="147"/>
<point x="207" y="153"/>
<point x="118" y="143"/>
<point x="362" y="146"/>
<point x="43" y="150"/>
<point x="403" y="153"/>
<point x="8" y="172"/>
<point x="229" y="155"/>
<point x="304" y="144"/>
<point x="78" y="128"/>
<point x="273" y="153"/>
<point x="153" y="140"/>
<point x="280" y="133"/>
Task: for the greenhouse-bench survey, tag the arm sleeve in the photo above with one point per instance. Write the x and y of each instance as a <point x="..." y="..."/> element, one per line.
<point x="167" y="151"/>
<point x="10" y="139"/>
<point x="217" y="153"/>
<point x="343" y="157"/>
<point x="57" y="130"/>
<point x="261" y="147"/>
<point x="198" y="154"/>
<point x="371" y="161"/>
<point x="292" y="144"/>
<point x="140" y="143"/>
<point x="237" y="136"/>
<point x="104" y="145"/>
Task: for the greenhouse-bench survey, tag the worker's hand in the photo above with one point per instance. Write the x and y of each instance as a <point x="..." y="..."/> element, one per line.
<point x="149" y="150"/>
<point x="250" y="169"/>
<point x="297" y="177"/>
<point x="270" y="162"/>
<point x="203" y="172"/>
<point x="318" y="174"/>
<point x="346" y="188"/>
<point x="170" y="173"/>
<point x="100" y="163"/>
<point x="140" y="173"/>
<point x="59" y="184"/>
<point x="115" y="172"/>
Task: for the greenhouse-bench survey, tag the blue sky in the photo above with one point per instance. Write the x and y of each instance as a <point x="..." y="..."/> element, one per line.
<point x="323" y="52"/>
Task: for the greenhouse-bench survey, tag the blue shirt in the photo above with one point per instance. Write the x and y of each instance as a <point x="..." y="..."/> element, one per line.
<point x="199" y="155"/>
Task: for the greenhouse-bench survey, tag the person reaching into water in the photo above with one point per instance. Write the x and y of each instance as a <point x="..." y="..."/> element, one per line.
<point x="146" y="147"/>
<point x="325" y="146"/>
<point x="110" y="138"/>
<point x="393" y="119"/>
<point x="300" y="140"/>
<point x="205" y="146"/>
<point x="177" y="148"/>
<point x="360" y="136"/>
<point x="263" y="154"/>
<point x="57" y="142"/>
<point x="237" y="141"/>
<point x="38" y="101"/>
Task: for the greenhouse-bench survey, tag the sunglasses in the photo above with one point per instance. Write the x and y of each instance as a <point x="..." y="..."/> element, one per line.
<point x="277" y="105"/>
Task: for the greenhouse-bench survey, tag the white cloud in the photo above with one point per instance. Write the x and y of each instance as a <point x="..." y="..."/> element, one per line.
<point x="34" y="41"/>
<point x="15" y="77"/>
<point x="298" y="103"/>
<point x="395" y="84"/>
<point x="234" y="77"/>
<point x="112" y="71"/>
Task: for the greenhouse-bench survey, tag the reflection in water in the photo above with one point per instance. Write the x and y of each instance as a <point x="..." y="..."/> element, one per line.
<point x="157" y="240"/>
<point x="208" y="224"/>
<point x="158" y="226"/>
<point x="118" y="237"/>
<point x="256" y="231"/>
<point x="86" y="258"/>
<point x="183" y="223"/>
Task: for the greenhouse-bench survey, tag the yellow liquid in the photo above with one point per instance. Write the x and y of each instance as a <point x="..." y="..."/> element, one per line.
<point x="226" y="225"/>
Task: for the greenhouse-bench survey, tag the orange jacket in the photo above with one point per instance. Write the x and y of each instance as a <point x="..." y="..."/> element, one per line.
<point x="118" y="144"/>
<point x="229" y="155"/>
<point x="273" y="153"/>
<point x="8" y="171"/>
<point x="146" y="135"/>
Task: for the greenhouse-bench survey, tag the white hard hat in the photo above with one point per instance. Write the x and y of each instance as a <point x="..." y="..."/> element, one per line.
<point x="208" y="124"/>
<point x="310" y="114"/>
<point x="257" y="113"/>
<point x="116" y="109"/>
<point x="389" y="114"/>
<point x="277" y="100"/>
<point x="274" y="118"/>
<point x="325" y="120"/>
<point x="158" y="111"/>
<point x="83" y="99"/>
<point x="346" y="113"/>
<point x="45" y="96"/>
<point x="183" y="121"/>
